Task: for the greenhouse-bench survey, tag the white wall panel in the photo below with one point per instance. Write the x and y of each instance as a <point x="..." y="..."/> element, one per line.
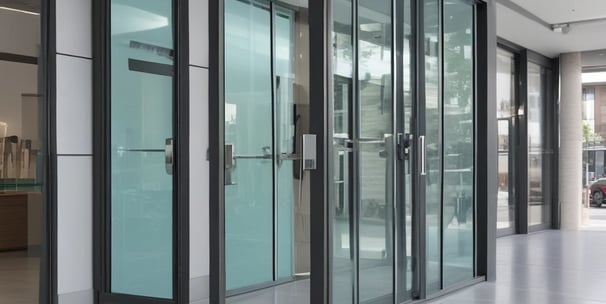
<point x="74" y="105"/>
<point x="199" y="173"/>
<point x="198" y="32"/>
<point x="74" y="27"/>
<point x="74" y="224"/>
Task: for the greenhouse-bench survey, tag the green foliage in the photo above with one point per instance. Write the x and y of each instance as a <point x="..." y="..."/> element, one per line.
<point x="589" y="135"/>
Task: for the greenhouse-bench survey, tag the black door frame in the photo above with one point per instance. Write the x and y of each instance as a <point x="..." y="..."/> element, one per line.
<point x="47" y="65"/>
<point x="101" y="146"/>
<point x="520" y="166"/>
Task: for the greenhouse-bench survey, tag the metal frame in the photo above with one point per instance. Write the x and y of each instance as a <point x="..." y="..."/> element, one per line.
<point x="101" y="145"/>
<point x="47" y="72"/>
<point x="486" y="140"/>
<point x="321" y="125"/>
<point x="514" y="133"/>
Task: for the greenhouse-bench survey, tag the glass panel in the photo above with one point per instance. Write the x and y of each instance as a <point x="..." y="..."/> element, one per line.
<point x="141" y="121"/>
<point x="343" y="239"/>
<point x="458" y="188"/>
<point x="506" y="92"/>
<point x="433" y="114"/>
<point x="376" y="161"/>
<point x="285" y="141"/>
<point x="23" y="152"/>
<point x="536" y="133"/>
<point x="406" y="216"/>
<point x="248" y="128"/>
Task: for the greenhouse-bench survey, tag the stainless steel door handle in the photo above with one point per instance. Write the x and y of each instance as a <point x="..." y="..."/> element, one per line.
<point x="168" y="156"/>
<point x="422" y="155"/>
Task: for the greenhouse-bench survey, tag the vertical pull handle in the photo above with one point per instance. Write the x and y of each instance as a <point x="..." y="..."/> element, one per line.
<point x="422" y="155"/>
<point x="168" y="156"/>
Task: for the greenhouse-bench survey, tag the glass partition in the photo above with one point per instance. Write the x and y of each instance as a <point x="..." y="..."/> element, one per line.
<point x="142" y="69"/>
<point x="538" y="158"/>
<point x="458" y="144"/>
<point x="266" y="114"/>
<point x="506" y="101"/>
<point x="433" y="142"/>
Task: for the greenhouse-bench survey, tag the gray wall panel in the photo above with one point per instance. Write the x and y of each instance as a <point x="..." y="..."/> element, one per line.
<point x="74" y="27"/>
<point x="74" y="105"/>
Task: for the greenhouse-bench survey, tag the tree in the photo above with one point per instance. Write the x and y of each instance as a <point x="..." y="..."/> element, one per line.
<point x="589" y="135"/>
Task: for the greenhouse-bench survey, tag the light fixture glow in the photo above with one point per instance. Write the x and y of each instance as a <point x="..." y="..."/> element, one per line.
<point x="19" y="11"/>
<point x="594" y="77"/>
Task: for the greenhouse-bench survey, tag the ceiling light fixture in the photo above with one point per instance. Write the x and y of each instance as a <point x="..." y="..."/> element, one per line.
<point x="561" y="28"/>
<point x="19" y="11"/>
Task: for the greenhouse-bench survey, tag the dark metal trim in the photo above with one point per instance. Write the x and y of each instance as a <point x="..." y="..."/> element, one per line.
<point x="419" y="243"/>
<point x="319" y="48"/>
<point x="19" y="58"/>
<point x="486" y="137"/>
<point x="522" y="147"/>
<point x="216" y="152"/>
<point x="151" y="67"/>
<point x="47" y="86"/>
<point x="181" y="149"/>
<point x="555" y="125"/>
<point x="100" y="92"/>
<point x="509" y="46"/>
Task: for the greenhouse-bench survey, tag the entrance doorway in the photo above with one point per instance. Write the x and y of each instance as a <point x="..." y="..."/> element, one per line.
<point x="22" y="153"/>
<point x="402" y="203"/>
<point x="266" y="108"/>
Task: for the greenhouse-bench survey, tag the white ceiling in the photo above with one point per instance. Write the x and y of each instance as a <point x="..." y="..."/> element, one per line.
<point x="533" y="35"/>
<point x="562" y="11"/>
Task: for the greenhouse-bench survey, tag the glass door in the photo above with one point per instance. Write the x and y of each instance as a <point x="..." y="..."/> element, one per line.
<point x="506" y="105"/>
<point x="141" y="219"/>
<point x="402" y="209"/>
<point x="266" y="115"/>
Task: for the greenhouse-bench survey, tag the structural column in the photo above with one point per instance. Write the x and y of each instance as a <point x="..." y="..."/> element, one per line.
<point x="571" y="141"/>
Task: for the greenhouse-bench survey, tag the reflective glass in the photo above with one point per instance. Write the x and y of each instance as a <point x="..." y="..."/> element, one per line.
<point x="506" y="92"/>
<point x="141" y="123"/>
<point x="458" y="145"/>
<point x="433" y="142"/>
<point x="285" y="141"/>
<point x="536" y="145"/>
<point x="376" y="160"/>
<point x="341" y="204"/>
<point x="23" y="154"/>
<point x="249" y="188"/>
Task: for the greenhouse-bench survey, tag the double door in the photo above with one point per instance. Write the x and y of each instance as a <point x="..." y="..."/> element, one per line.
<point x="402" y="149"/>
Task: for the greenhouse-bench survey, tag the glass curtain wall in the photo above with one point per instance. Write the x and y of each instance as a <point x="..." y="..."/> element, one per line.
<point x="374" y="131"/>
<point x="506" y="104"/>
<point x="458" y="154"/>
<point x="266" y="114"/>
<point x="539" y="151"/>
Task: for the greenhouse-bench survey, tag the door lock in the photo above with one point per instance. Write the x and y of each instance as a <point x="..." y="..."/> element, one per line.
<point x="404" y="145"/>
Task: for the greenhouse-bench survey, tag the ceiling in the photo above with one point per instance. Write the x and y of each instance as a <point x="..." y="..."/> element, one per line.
<point x="26" y="5"/>
<point x="522" y="23"/>
<point x="562" y="11"/>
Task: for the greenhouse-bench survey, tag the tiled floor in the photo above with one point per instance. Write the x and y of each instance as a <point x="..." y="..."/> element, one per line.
<point x="550" y="267"/>
<point x="18" y="278"/>
<point x="293" y="293"/>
